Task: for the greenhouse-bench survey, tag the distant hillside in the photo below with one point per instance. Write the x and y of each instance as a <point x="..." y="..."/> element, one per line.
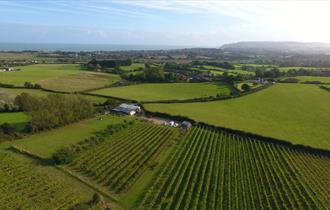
<point x="289" y="47"/>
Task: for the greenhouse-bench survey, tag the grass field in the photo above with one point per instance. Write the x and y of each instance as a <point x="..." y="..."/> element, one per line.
<point x="36" y="73"/>
<point x="8" y="94"/>
<point x="166" y="91"/>
<point x="79" y="82"/>
<point x="313" y="78"/>
<point x="46" y="143"/>
<point x="134" y="66"/>
<point x="233" y="71"/>
<point x="285" y="69"/>
<point x="218" y="170"/>
<point x="17" y="119"/>
<point x="13" y="92"/>
<point x="295" y="112"/>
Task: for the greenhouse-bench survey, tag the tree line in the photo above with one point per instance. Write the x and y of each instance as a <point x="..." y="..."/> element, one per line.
<point x="99" y="64"/>
<point x="53" y="110"/>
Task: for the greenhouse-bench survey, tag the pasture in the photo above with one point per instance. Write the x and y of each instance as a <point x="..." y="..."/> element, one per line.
<point x="218" y="170"/>
<point x="17" y="119"/>
<point x="237" y="70"/>
<point x="313" y="78"/>
<point x="79" y="82"/>
<point x="13" y="92"/>
<point x="46" y="143"/>
<point x="8" y="95"/>
<point x="166" y="91"/>
<point x="133" y="67"/>
<point x="38" y="72"/>
<point x="285" y="69"/>
<point x="297" y="113"/>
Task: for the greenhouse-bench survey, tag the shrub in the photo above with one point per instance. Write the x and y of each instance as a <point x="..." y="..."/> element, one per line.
<point x="63" y="156"/>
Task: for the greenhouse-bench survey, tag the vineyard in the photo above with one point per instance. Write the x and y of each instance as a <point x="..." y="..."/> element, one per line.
<point x="118" y="162"/>
<point x="22" y="187"/>
<point x="218" y="170"/>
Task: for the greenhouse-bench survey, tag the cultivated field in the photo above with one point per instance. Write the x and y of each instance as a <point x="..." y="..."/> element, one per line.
<point x="46" y="143"/>
<point x="38" y="72"/>
<point x="219" y="170"/>
<point x="17" y="119"/>
<point x="121" y="160"/>
<point x="295" y="112"/>
<point x="22" y="186"/>
<point x="166" y="91"/>
<point x="79" y="82"/>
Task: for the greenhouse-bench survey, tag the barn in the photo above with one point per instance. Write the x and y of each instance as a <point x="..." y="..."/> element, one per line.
<point x="129" y="109"/>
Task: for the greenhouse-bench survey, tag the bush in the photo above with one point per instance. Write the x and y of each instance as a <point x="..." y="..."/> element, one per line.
<point x="246" y="87"/>
<point x="63" y="156"/>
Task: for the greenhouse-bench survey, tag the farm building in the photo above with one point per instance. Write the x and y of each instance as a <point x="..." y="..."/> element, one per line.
<point x="129" y="109"/>
<point x="186" y="124"/>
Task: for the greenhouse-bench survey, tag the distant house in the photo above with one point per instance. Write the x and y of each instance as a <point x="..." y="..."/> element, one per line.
<point x="129" y="109"/>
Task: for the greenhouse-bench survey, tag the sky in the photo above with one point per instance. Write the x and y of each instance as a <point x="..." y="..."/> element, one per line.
<point x="157" y="22"/>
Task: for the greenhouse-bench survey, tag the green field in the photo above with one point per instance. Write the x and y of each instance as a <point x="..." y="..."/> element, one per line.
<point x="166" y="91"/>
<point x="46" y="143"/>
<point x="8" y="94"/>
<point x="38" y="72"/>
<point x="313" y="78"/>
<point x="17" y="119"/>
<point x="295" y="112"/>
<point x="24" y="187"/>
<point x="233" y="71"/>
<point x="217" y="170"/>
<point x="134" y="66"/>
<point x="79" y="82"/>
<point x="13" y="92"/>
<point x="285" y="69"/>
<point x="123" y="158"/>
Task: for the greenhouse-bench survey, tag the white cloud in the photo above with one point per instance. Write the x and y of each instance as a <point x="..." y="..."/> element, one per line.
<point x="282" y="20"/>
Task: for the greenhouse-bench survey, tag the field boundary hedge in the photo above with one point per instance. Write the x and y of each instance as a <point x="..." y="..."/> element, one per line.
<point x="267" y="139"/>
<point x="30" y="154"/>
<point x="325" y="88"/>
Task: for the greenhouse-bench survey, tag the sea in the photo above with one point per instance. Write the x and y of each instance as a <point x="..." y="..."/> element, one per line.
<point x="82" y="47"/>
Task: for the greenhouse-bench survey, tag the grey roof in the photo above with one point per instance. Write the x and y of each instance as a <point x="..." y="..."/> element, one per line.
<point x="129" y="106"/>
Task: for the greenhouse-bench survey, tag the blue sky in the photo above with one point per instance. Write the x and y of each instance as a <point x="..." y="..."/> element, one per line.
<point x="190" y="23"/>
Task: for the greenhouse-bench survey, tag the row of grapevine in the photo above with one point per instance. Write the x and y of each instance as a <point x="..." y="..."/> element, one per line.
<point x="117" y="163"/>
<point x="215" y="169"/>
<point x="23" y="187"/>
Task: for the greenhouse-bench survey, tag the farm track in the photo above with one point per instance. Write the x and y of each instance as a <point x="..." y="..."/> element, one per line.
<point x="218" y="170"/>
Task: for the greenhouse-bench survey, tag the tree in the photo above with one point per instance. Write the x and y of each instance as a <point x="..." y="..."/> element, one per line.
<point x="154" y="74"/>
<point x="63" y="156"/>
<point x="7" y="129"/>
<point x="246" y="87"/>
<point x="53" y="110"/>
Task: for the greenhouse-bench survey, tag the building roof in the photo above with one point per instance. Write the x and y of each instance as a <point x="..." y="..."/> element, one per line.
<point x="129" y="106"/>
<point x="126" y="108"/>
